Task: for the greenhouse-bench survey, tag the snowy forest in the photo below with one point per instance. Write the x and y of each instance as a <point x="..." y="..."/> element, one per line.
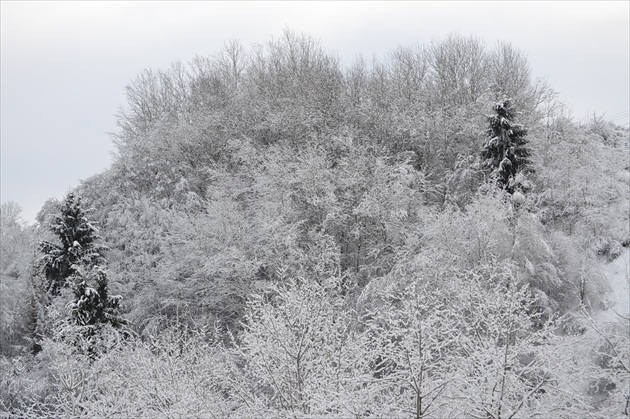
<point x="280" y="235"/>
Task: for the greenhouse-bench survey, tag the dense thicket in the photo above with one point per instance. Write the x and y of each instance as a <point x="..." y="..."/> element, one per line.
<point x="295" y="237"/>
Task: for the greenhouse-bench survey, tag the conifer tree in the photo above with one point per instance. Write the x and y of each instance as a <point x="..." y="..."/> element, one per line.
<point x="92" y="303"/>
<point x="77" y="245"/>
<point x="504" y="153"/>
<point x="77" y="261"/>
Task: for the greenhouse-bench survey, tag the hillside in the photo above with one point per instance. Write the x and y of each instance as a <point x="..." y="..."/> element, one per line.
<point x="425" y="236"/>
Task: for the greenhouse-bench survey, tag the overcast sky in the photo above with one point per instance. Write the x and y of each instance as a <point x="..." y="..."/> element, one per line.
<point x="65" y="64"/>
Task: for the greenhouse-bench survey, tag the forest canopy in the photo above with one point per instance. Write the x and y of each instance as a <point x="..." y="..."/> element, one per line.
<point x="282" y="235"/>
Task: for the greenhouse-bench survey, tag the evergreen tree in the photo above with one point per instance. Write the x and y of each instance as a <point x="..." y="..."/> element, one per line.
<point x="77" y="262"/>
<point x="504" y="153"/>
<point x="77" y="245"/>
<point x="92" y="303"/>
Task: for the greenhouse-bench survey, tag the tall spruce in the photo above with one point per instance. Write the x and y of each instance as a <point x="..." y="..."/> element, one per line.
<point x="505" y="153"/>
<point x="77" y="245"/>
<point x="77" y="262"/>
<point x="92" y="305"/>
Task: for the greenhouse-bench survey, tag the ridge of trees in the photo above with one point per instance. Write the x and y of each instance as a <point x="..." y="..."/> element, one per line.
<point x="285" y="231"/>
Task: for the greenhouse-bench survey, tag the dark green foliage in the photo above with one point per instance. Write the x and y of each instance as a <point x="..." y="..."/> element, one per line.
<point x="504" y="152"/>
<point x="93" y="304"/>
<point x="77" y="262"/>
<point x="77" y="245"/>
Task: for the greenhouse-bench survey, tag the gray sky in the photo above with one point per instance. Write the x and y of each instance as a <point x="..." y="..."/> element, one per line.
<point x="64" y="65"/>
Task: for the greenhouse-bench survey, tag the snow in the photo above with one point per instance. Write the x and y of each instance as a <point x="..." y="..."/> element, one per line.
<point x="618" y="274"/>
<point x="518" y="198"/>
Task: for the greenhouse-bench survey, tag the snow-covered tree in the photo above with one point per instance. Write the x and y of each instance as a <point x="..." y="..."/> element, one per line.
<point x="17" y="252"/>
<point x="14" y="239"/>
<point x="414" y="336"/>
<point x="77" y="244"/>
<point x="302" y="354"/>
<point x="504" y="370"/>
<point x="505" y="153"/>
<point x="92" y="304"/>
<point x="77" y="262"/>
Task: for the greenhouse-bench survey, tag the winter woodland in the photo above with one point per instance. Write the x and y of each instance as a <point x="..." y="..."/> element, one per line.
<point x="429" y="235"/>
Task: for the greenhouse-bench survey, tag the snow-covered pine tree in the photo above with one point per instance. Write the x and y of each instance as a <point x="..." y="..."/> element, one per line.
<point x="77" y="245"/>
<point x="77" y="262"/>
<point x="92" y="303"/>
<point x="505" y="152"/>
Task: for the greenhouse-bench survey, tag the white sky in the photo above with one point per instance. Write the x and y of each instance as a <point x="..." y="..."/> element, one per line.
<point x="64" y="65"/>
